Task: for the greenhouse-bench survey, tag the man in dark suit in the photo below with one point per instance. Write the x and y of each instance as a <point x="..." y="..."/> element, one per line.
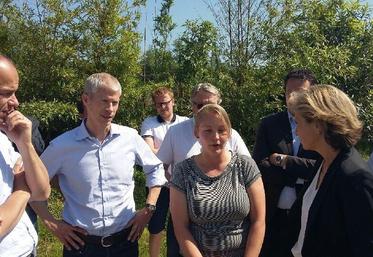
<point x="284" y="165"/>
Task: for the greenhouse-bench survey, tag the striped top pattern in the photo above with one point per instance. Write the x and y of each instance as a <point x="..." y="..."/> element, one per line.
<point x="218" y="207"/>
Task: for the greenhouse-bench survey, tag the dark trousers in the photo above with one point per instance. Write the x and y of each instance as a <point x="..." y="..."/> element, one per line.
<point x="173" y="249"/>
<point x="275" y="241"/>
<point x="122" y="249"/>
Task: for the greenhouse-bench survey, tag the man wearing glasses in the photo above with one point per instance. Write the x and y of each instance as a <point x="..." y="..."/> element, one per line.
<point x="180" y="143"/>
<point x="153" y="130"/>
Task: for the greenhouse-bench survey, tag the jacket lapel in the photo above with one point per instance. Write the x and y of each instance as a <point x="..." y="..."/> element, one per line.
<point x="330" y="176"/>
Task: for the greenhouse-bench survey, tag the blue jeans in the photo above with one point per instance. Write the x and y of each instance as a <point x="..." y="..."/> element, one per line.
<point x="122" y="249"/>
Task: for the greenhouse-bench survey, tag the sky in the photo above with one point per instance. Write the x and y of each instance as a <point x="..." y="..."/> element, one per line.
<point x="181" y="11"/>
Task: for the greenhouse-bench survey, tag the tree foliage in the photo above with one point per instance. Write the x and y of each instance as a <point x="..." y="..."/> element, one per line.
<point x="56" y="44"/>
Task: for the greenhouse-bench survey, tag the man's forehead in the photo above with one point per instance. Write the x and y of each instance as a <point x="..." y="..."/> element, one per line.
<point x="206" y="96"/>
<point x="162" y="96"/>
<point x="292" y="84"/>
<point x="8" y="77"/>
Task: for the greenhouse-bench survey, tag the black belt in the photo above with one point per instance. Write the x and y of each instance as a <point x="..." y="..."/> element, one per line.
<point x="107" y="241"/>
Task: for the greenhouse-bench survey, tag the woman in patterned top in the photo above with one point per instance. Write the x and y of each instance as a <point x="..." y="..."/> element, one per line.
<point x="217" y="198"/>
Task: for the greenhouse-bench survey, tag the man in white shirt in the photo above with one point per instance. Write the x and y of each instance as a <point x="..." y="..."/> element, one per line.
<point x="153" y="130"/>
<point x="94" y="164"/>
<point x="180" y="143"/>
<point x="23" y="176"/>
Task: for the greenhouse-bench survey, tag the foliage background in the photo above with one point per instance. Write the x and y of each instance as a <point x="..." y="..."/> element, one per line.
<point x="56" y="44"/>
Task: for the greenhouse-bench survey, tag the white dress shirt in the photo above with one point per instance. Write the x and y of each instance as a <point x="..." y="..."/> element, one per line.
<point x="308" y="198"/>
<point x="180" y="144"/>
<point x="21" y="241"/>
<point x="157" y="128"/>
<point x="288" y="194"/>
<point x="96" y="178"/>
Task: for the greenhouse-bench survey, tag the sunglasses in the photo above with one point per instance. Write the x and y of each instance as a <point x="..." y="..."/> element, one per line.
<point x="199" y="105"/>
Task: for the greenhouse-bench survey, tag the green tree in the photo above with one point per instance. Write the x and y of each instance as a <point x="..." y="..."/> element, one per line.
<point x="333" y="38"/>
<point x="56" y="44"/>
<point x="196" y="52"/>
<point x="158" y="63"/>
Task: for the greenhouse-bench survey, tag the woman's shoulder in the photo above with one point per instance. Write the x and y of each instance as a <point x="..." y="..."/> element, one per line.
<point x="353" y="170"/>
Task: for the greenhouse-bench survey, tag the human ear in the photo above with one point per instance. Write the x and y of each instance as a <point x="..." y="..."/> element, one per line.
<point x="196" y="132"/>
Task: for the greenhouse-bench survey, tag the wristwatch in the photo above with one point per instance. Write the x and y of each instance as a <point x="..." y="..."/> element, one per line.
<point x="279" y="159"/>
<point x="150" y="207"/>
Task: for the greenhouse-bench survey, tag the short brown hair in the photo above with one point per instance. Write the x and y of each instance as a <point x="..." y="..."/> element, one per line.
<point x="215" y="109"/>
<point x="333" y="109"/>
<point x="162" y="91"/>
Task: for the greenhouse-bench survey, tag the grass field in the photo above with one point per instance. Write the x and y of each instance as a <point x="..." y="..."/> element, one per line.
<point x="49" y="246"/>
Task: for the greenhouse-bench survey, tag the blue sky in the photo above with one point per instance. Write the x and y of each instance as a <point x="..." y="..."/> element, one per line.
<point x="181" y="11"/>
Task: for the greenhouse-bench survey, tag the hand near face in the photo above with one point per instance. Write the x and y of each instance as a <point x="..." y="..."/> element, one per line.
<point x="17" y="127"/>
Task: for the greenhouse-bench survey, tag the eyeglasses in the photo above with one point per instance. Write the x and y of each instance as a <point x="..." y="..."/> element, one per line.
<point x="163" y="103"/>
<point x="199" y="105"/>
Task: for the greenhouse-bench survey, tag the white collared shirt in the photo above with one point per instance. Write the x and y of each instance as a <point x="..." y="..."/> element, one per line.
<point x="308" y="198"/>
<point x="180" y="143"/>
<point x="22" y="239"/>
<point x="96" y="178"/>
<point x="151" y="126"/>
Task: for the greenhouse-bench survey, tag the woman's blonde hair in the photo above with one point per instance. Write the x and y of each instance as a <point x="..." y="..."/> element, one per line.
<point x="215" y="109"/>
<point x="333" y="110"/>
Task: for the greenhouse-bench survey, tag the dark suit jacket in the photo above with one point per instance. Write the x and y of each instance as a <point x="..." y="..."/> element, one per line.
<point x="274" y="136"/>
<point x="340" y="221"/>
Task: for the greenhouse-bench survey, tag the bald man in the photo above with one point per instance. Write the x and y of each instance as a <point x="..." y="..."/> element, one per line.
<point x="23" y="176"/>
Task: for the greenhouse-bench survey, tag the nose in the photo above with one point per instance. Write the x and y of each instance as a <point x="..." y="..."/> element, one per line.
<point x="13" y="102"/>
<point x="110" y="107"/>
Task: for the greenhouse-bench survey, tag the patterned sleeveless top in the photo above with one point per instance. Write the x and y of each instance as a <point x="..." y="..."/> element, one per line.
<point x="218" y="207"/>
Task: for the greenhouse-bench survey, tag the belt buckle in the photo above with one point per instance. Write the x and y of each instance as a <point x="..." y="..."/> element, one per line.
<point x="103" y="244"/>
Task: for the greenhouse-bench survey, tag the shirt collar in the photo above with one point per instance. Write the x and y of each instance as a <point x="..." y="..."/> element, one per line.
<point x="161" y="120"/>
<point x="291" y="118"/>
<point x="82" y="132"/>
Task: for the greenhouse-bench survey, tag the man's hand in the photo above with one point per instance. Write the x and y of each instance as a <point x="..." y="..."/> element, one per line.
<point x="17" y="127"/>
<point x="138" y="223"/>
<point x="66" y="233"/>
<point x="278" y="159"/>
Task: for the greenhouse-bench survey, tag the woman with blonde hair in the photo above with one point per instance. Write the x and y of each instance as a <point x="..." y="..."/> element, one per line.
<point x="335" y="215"/>
<point x="217" y="198"/>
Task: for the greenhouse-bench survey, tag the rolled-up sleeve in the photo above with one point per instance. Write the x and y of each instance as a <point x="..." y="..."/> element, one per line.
<point x="152" y="166"/>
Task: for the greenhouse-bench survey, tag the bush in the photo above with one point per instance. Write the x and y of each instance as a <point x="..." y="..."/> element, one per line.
<point x="55" y="117"/>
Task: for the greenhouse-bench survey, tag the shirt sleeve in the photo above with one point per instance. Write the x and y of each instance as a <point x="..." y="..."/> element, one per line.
<point x="177" y="177"/>
<point x="152" y="166"/>
<point x="146" y="129"/>
<point x="165" y="152"/>
<point x="238" y="145"/>
<point x="250" y="170"/>
<point x="52" y="159"/>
